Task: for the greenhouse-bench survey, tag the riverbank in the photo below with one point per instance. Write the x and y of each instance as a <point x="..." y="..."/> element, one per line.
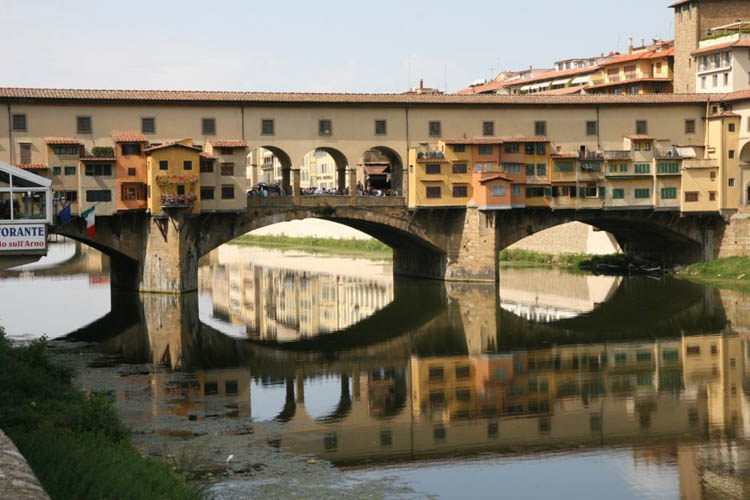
<point x="75" y="443"/>
<point x="347" y="246"/>
<point x="730" y="272"/>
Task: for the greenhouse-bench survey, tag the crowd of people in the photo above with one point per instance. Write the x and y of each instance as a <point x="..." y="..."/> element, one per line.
<point x="263" y="190"/>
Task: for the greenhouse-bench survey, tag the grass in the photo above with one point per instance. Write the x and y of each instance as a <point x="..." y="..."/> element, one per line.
<point x="315" y="244"/>
<point x="531" y="258"/>
<point x="730" y="272"/>
<point x="76" y="443"/>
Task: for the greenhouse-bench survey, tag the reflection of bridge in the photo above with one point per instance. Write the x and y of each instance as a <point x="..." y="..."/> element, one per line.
<point x="427" y="393"/>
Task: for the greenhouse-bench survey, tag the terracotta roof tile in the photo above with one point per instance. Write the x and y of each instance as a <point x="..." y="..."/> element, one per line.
<point x="30" y="166"/>
<point x="725" y="114"/>
<point x="98" y="158"/>
<point x="627" y="82"/>
<point x="494" y="178"/>
<point x="129" y="137"/>
<point x="564" y="90"/>
<point x="552" y="75"/>
<point x="375" y="169"/>
<point x="170" y="144"/>
<point x="207" y="156"/>
<point x="54" y="141"/>
<point x="639" y="137"/>
<point x="475" y="140"/>
<point x="721" y="46"/>
<point x="526" y="139"/>
<point x="162" y="96"/>
<point x="228" y="144"/>
<point x="646" y="54"/>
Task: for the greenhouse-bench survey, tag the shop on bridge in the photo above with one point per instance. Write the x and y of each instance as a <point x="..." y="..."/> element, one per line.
<point x="25" y="213"/>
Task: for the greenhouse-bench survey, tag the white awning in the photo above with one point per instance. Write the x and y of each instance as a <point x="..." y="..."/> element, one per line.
<point x="525" y="88"/>
<point x="534" y="87"/>
<point x="580" y="79"/>
<point x="564" y="81"/>
<point x="544" y="85"/>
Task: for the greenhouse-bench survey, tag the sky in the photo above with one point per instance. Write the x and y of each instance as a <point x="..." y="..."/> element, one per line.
<point x="306" y="46"/>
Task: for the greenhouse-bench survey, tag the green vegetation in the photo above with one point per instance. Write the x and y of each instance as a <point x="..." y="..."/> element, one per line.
<point x="531" y="258"/>
<point x="730" y="272"/>
<point x="103" y="152"/>
<point x="311" y="243"/>
<point x="75" y="442"/>
<point x="723" y="34"/>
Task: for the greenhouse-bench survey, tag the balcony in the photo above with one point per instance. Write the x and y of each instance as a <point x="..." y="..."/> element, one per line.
<point x="178" y="200"/>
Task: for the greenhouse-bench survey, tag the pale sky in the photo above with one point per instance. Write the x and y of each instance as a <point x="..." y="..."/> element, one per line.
<point x="324" y="46"/>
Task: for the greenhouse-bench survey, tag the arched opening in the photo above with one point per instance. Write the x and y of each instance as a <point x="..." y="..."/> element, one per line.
<point x="569" y="238"/>
<point x="269" y="171"/>
<point x="319" y="172"/>
<point x="380" y="172"/>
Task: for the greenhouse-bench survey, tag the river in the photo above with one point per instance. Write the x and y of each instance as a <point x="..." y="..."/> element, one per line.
<point x="292" y="375"/>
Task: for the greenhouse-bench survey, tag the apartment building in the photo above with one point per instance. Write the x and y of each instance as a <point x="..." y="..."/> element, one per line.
<point x="723" y="62"/>
<point x="643" y="70"/>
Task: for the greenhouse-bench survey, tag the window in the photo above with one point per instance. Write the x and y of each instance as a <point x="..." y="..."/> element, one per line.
<point x="148" y="125"/>
<point x="434" y="129"/>
<point x="515" y="190"/>
<point x="207" y="192"/>
<point x="25" y="148"/>
<point x="433" y="191"/>
<point x="647" y="146"/>
<point x="703" y="82"/>
<point x="731" y="182"/>
<point x="19" y="122"/>
<point x="460" y="192"/>
<point x="163" y="165"/>
<point x="226" y="151"/>
<point x="181" y="189"/>
<point x="206" y="166"/>
<point x="70" y="171"/>
<point x="726" y="79"/>
<point x="98" y="195"/>
<point x="612" y="168"/>
<point x="618" y="194"/>
<point x="227" y="192"/>
<point x="380" y="127"/>
<point x="512" y="168"/>
<point x="529" y="149"/>
<point x="66" y="150"/>
<point x="712" y="196"/>
<point x="459" y="148"/>
<point x="641" y="127"/>
<point x="641" y="193"/>
<point x="267" y="126"/>
<point x="130" y="149"/>
<point x="432" y="168"/>
<point x="712" y="175"/>
<point x="325" y="127"/>
<point x="541" y="170"/>
<point x="715" y="80"/>
<point x="488" y="128"/>
<point x="70" y="196"/>
<point x="591" y="127"/>
<point x="56" y="170"/>
<point x="498" y="190"/>
<point x="689" y="126"/>
<point x="386" y="438"/>
<point x="83" y="124"/>
<point x="530" y="170"/>
<point x="731" y="153"/>
<point x="642" y="168"/>
<point x="540" y="128"/>
<point x="187" y="165"/>
<point x="485" y="150"/>
<point x="208" y="126"/>
<point x="636" y="146"/>
<point x="541" y="148"/>
<point x="563" y="166"/>
<point x="131" y="172"/>
<point x="669" y="193"/>
<point x="691" y="196"/>
<point x="642" y="356"/>
<point x="731" y="127"/>
<point x="227" y="169"/>
<point x="512" y="147"/>
<point x="459" y="168"/>
<point x="693" y="350"/>
<point x="98" y="169"/>
<point x="667" y="168"/>
<point x="670" y="355"/>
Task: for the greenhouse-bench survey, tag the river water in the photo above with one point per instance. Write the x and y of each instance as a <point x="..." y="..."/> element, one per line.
<point x="292" y="375"/>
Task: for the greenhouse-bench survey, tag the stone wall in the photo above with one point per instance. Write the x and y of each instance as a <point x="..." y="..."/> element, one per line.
<point x="734" y="241"/>
<point x="573" y="237"/>
<point x="17" y="480"/>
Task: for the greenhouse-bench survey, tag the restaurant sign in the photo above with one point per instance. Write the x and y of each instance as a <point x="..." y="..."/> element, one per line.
<point x="15" y="237"/>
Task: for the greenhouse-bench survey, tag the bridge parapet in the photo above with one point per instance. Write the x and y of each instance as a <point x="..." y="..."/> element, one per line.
<point x="333" y="201"/>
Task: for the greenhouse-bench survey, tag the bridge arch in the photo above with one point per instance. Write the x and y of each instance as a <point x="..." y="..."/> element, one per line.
<point x="378" y="154"/>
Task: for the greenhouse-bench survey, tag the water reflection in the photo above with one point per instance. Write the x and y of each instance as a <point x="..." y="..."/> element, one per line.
<point x="660" y="367"/>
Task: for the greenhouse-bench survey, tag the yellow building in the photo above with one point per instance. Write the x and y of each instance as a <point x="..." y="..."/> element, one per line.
<point x="644" y="70"/>
<point x="172" y="176"/>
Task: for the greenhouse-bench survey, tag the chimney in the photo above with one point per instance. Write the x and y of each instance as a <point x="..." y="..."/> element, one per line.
<point x="421" y="83"/>
<point x="630" y="45"/>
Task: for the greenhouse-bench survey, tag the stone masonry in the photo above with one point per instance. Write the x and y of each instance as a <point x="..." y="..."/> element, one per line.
<point x="17" y="480"/>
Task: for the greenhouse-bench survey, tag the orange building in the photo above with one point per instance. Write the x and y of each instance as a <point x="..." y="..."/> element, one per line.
<point x="130" y="171"/>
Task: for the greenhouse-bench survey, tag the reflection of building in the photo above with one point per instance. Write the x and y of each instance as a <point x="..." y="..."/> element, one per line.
<point x="283" y="305"/>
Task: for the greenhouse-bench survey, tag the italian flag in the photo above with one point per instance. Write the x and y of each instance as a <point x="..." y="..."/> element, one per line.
<point x="89" y="215"/>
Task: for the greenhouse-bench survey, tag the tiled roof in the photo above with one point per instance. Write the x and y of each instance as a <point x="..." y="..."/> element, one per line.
<point x="721" y="46"/>
<point x="128" y="137"/>
<point x="564" y="90"/>
<point x="53" y="141"/>
<point x="477" y="140"/>
<point x="725" y="114"/>
<point x="162" y="96"/>
<point x="646" y="54"/>
<point x="639" y="137"/>
<point x="552" y="75"/>
<point x="525" y="139"/>
<point x="229" y="144"/>
<point x="375" y="169"/>
<point x="169" y="145"/>
<point x="627" y="82"/>
<point x="494" y="178"/>
<point x="680" y="2"/>
<point x="207" y="156"/>
<point x="98" y="158"/>
<point x="30" y="166"/>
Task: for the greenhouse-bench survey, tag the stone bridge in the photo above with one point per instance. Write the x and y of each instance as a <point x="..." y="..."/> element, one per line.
<point x="160" y="254"/>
